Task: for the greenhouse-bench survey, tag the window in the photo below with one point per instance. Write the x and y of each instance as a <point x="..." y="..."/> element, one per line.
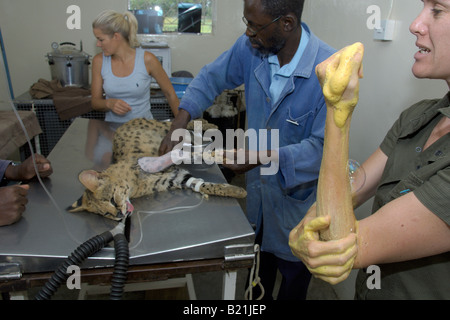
<point x="172" y="16"/>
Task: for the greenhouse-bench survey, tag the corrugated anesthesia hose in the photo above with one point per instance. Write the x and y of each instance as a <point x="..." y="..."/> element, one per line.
<point x="89" y="247"/>
<point x="120" y="266"/>
<point x="86" y="250"/>
<point x="80" y="254"/>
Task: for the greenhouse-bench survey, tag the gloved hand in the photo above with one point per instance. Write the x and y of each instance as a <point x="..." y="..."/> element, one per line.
<point x="330" y="261"/>
<point x="339" y="77"/>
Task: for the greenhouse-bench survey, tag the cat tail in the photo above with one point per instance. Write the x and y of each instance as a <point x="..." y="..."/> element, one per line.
<point x="215" y="189"/>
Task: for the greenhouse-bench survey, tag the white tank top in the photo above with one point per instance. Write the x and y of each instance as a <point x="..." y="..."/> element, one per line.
<point x="133" y="89"/>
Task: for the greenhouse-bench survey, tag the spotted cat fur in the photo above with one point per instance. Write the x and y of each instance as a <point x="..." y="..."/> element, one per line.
<point x="108" y="191"/>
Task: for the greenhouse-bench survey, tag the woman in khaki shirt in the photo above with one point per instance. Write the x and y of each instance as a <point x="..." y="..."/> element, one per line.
<point x="408" y="234"/>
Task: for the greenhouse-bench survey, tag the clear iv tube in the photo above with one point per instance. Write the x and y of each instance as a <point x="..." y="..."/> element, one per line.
<point x="60" y="211"/>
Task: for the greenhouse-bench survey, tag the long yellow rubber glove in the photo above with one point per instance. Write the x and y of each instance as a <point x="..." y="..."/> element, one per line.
<point x="339" y="76"/>
<point x="331" y="218"/>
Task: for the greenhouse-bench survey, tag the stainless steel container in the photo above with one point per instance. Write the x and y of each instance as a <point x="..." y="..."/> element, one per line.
<point x="69" y="65"/>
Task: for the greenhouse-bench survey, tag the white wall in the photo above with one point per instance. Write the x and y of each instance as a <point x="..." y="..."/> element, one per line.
<point x="388" y="86"/>
<point x="30" y="26"/>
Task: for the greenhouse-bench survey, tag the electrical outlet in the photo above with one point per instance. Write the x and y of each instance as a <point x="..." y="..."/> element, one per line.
<point x="386" y="31"/>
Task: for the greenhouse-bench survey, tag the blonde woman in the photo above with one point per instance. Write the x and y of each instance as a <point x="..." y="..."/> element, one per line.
<point x="124" y="71"/>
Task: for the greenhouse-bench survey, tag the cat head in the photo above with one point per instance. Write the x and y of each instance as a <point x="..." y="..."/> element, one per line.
<point x="102" y="196"/>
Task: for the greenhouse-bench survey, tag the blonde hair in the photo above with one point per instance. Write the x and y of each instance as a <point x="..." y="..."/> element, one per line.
<point x="110" y="22"/>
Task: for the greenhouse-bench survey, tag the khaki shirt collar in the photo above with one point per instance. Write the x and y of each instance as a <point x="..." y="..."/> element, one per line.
<point x="445" y="110"/>
<point x="441" y="106"/>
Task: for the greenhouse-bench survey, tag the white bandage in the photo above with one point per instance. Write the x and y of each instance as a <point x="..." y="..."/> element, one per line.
<point x="195" y="183"/>
<point x="155" y="164"/>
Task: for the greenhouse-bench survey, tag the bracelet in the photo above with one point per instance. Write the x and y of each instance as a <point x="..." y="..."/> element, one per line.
<point x="5" y="180"/>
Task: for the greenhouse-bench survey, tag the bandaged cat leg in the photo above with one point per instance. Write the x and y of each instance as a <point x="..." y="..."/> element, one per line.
<point x="157" y="164"/>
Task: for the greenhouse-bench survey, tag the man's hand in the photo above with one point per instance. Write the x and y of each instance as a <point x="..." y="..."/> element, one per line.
<point x="13" y="200"/>
<point x="240" y="161"/>
<point x="26" y="170"/>
<point x="180" y="122"/>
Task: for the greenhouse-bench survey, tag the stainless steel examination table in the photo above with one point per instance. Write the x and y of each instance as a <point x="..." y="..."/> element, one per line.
<point x="171" y="233"/>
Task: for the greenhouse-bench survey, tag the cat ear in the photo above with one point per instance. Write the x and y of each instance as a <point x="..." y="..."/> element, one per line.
<point x="89" y="178"/>
<point x="76" y="206"/>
